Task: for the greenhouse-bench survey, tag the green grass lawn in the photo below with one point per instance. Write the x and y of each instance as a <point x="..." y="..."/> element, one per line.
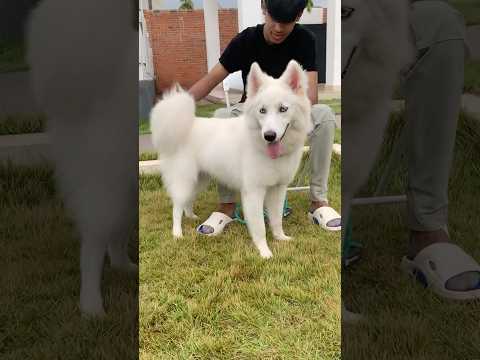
<point x="472" y="77"/>
<point x="207" y="110"/>
<point x="405" y="320"/>
<point x="335" y="104"/>
<point x="144" y="127"/>
<point x="148" y="156"/>
<point x="15" y="124"/>
<point x="471" y="11"/>
<point x="12" y="57"/>
<point x="40" y="280"/>
<point x="215" y="298"/>
<point x="338" y="136"/>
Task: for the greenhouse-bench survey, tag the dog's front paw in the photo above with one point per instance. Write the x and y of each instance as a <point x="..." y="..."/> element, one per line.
<point x="266" y="253"/>
<point x="177" y="234"/>
<point x="283" y="237"/>
<point x="192" y="215"/>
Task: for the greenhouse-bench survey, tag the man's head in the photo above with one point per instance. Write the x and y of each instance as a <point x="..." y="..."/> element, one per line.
<point x="280" y="18"/>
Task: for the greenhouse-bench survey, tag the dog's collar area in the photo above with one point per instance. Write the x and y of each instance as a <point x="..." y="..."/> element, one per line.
<point x="349" y="62"/>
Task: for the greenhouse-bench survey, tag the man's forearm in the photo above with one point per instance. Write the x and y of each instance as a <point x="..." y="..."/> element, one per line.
<point x="201" y="88"/>
<point x="313" y="86"/>
<point x="206" y="84"/>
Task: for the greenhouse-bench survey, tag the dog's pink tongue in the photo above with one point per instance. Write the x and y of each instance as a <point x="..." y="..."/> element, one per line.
<point x="274" y="149"/>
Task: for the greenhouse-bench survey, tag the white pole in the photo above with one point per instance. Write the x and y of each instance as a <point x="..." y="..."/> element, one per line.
<point x="249" y="13"/>
<point x="334" y="53"/>
<point x="212" y="34"/>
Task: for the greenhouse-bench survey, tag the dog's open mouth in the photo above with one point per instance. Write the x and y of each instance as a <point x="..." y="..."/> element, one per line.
<point x="274" y="149"/>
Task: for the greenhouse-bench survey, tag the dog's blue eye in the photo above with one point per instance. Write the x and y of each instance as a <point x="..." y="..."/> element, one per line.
<point x="283" y="108"/>
<point x="263" y="110"/>
<point x="347" y="12"/>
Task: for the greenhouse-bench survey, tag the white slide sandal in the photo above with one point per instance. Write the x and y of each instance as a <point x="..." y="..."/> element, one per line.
<point x="439" y="262"/>
<point x="215" y="224"/>
<point x="327" y="218"/>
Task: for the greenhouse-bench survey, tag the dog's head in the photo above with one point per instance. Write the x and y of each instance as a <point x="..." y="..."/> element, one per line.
<point x="278" y="110"/>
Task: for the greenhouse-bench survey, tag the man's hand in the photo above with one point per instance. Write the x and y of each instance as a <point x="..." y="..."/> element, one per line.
<point x="206" y="84"/>
<point x="313" y="86"/>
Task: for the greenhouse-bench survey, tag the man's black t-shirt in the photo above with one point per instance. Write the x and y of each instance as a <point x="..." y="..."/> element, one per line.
<point x="250" y="46"/>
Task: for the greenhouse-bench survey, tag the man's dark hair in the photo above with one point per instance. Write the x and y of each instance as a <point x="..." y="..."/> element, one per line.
<point x="284" y="11"/>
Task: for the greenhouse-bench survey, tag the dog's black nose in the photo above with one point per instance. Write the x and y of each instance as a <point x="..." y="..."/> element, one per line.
<point x="270" y="136"/>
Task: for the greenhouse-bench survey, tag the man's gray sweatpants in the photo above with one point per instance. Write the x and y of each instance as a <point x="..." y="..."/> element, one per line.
<point x="433" y="88"/>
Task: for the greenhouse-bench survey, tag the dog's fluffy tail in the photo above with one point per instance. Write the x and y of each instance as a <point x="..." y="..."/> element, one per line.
<point x="171" y="120"/>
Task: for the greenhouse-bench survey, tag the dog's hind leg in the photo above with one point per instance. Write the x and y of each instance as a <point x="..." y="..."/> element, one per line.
<point x="118" y="244"/>
<point x="181" y="179"/>
<point x="177" y="219"/>
<point x="118" y="253"/>
<point x="124" y="220"/>
<point x="92" y="256"/>
<point x="182" y="194"/>
<point x="274" y="201"/>
<point x="252" y="203"/>
<point x="189" y="211"/>
<point x="202" y="183"/>
<point x="105" y="221"/>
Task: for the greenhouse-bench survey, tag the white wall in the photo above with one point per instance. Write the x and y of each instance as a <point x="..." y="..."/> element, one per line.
<point x="249" y="13"/>
<point x="313" y="17"/>
<point x="212" y="34"/>
<point x="157" y="4"/>
<point x="145" y="55"/>
<point x="334" y="43"/>
<point x="143" y="4"/>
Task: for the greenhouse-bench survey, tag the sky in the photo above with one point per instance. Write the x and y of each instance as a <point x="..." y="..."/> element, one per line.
<point x="174" y="4"/>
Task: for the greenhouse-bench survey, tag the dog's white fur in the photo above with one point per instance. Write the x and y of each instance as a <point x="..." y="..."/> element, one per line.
<point x="83" y="72"/>
<point x="234" y="150"/>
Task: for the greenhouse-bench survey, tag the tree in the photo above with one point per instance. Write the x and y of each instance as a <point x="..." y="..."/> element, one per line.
<point x="309" y="5"/>
<point x="186" y="5"/>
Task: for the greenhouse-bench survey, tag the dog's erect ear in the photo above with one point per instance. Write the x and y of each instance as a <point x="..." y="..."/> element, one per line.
<point x="295" y="77"/>
<point x="255" y="80"/>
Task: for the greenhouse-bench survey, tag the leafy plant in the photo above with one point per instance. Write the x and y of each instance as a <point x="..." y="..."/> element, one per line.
<point x="309" y="5"/>
<point x="186" y="5"/>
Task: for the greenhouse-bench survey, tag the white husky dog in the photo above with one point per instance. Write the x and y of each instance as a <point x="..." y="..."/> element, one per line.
<point x="257" y="153"/>
<point x="376" y="45"/>
<point x="82" y="76"/>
